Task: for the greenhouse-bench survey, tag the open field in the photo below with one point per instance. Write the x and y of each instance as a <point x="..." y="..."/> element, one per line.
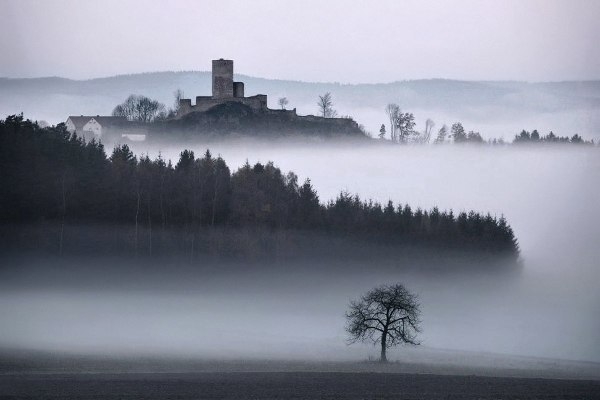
<point x="41" y="375"/>
<point x="293" y="385"/>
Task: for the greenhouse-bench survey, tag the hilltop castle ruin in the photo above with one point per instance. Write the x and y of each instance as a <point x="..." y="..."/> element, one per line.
<point x="228" y="110"/>
<point x="224" y="90"/>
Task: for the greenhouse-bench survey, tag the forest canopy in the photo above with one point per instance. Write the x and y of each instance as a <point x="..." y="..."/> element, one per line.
<point x="49" y="174"/>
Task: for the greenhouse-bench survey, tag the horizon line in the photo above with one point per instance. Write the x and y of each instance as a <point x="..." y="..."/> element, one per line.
<point x="301" y="81"/>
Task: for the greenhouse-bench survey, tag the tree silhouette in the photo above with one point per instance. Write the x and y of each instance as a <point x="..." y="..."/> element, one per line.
<point x="325" y="105"/>
<point x="139" y="108"/>
<point x="386" y="315"/>
<point x="283" y="101"/>
<point x="56" y="177"/>
<point x="441" y="136"/>
<point x="404" y="126"/>
<point x="392" y="110"/>
<point x="458" y="133"/>
<point x="382" y="132"/>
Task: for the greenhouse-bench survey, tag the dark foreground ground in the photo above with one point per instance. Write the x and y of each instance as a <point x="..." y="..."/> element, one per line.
<point x="437" y="375"/>
<point x="288" y="385"/>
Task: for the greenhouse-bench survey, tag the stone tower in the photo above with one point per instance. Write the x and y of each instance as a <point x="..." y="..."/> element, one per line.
<point x="222" y="79"/>
<point x="224" y="90"/>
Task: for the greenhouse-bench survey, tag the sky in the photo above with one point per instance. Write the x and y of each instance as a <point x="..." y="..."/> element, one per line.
<point x="334" y="41"/>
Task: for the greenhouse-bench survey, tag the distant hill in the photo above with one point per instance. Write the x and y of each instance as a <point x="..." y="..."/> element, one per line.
<point x="498" y="109"/>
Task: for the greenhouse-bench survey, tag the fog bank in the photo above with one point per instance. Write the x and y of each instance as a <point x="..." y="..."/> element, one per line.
<point x="548" y="195"/>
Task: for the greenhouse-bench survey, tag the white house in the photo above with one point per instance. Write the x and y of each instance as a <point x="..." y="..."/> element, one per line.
<point x="100" y="127"/>
<point x="75" y="123"/>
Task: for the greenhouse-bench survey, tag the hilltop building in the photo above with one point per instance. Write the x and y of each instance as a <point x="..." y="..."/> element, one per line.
<point x="224" y="90"/>
<point x="93" y="126"/>
<point x="229" y="110"/>
<point x="105" y="127"/>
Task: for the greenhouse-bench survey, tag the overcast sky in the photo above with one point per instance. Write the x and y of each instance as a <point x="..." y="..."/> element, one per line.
<point x="360" y="41"/>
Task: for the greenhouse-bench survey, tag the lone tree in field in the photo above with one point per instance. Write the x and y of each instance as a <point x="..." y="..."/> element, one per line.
<point x="388" y="315"/>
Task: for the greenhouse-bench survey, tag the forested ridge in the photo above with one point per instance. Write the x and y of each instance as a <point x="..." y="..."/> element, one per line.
<point x="49" y="174"/>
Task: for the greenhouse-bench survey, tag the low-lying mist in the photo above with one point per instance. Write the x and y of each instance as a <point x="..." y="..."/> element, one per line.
<point x="549" y="195"/>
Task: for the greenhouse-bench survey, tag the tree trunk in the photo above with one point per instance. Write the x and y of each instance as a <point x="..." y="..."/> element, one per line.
<point x="162" y="211"/>
<point x="193" y="241"/>
<point x="149" y="227"/>
<point x="214" y="204"/>
<point x="383" y="347"/>
<point x="137" y="212"/>
<point x="63" y="214"/>
<point x="162" y="208"/>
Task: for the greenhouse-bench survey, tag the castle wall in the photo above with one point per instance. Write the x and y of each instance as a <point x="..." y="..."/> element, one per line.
<point x="185" y="106"/>
<point x="238" y="89"/>
<point x="341" y="123"/>
<point x="222" y="78"/>
<point x="205" y="103"/>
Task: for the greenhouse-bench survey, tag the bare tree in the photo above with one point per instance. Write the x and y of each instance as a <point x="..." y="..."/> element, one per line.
<point x="139" y="108"/>
<point x="386" y="315"/>
<point x="392" y="111"/>
<point x="429" y="125"/>
<point x="148" y="109"/>
<point x="178" y="95"/>
<point x="325" y="105"/>
<point x="283" y="101"/>
<point x="425" y="136"/>
<point x="126" y="109"/>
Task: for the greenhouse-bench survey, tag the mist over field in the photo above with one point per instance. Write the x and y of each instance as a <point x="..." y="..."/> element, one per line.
<point x="266" y="200"/>
<point x="547" y="308"/>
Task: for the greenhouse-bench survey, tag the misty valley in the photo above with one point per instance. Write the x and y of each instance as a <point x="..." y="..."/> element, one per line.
<point x="152" y="258"/>
<point x="189" y="218"/>
<point x="382" y="208"/>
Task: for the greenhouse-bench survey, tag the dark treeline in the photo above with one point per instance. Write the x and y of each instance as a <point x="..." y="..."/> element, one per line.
<point x="50" y="175"/>
<point x="535" y="137"/>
